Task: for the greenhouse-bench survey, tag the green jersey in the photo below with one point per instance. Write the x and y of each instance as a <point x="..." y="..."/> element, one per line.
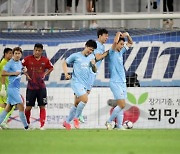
<point x="2" y="64"/>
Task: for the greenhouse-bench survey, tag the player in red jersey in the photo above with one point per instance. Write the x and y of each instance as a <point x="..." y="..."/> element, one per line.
<point x="38" y="67"/>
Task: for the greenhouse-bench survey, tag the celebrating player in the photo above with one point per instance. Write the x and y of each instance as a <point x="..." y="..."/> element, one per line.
<point x="117" y="76"/>
<point x="7" y="55"/>
<point x="83" y="64"/>
<point x="100" y="54"/>
<point x="14" y="69"/>
<point x="38" y="67"/>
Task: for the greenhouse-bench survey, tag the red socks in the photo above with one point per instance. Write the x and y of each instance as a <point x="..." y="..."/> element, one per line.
<point x="28" y="114"/>
<point x="42" y="116"/>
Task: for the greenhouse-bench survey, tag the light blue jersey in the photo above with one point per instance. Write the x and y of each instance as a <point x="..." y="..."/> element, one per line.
<point x="99" y="50"/>
<point x="81" y="67"/>
<point x="14" y="82"/>
<point x="117" y="73"/>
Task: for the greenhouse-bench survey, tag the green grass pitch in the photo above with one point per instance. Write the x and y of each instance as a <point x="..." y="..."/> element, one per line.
<point x="90" y="141"/>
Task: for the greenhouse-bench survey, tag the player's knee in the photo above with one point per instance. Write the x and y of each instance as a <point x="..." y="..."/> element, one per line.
<point x="122" y="106"/>
<point x="20" y="107"/>
<point x="84" y="98"/>
<point x="28" y="108"/>
<point x="121" y="103"/>
<point x="7" y="109"/>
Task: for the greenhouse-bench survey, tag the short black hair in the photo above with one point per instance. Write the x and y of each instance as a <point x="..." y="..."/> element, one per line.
<point x="6" y="50"/>
<point x="17" y="49"/>
<point x="38" y="45"/>
<point x="101" y="31"/>
<point x="91" y="43"/>
<point x="121" y="39"/>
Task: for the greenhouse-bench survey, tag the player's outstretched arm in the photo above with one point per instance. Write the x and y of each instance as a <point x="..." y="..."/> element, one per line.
<point x="101" y="56"/>
<point x="4" y="73"/>
<point x="65" y="69"/>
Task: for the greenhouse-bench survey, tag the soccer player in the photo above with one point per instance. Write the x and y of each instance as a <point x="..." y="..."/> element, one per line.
<point x="38" y="67"/>
<point x="14" y="69"/>
<point x="99" y="53"/>
<point x="83" y="64"/>
<point x="7" y="55"/>
<point x="117" y="76"/>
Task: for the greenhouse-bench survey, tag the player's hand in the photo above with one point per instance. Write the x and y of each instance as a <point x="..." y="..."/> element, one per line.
<point x="3" y="91"/>
<point x="93" y="65"/>
<point x="120" y="34"/>
<point x="93" y="62"/>
<point x="125" y="34"/>
<point x="43" y="77"/>
<point x="28" y="77"/>
<point x="24" y="69"/>
<point x="67" y="76"/>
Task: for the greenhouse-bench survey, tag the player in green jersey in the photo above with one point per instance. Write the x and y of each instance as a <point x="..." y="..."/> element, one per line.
<point x="7" y="55"/>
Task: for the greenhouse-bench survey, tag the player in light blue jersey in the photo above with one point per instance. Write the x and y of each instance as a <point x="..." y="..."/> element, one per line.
<point x="99" y="53"/>
<point x="117" y="76"/>
<point x="83" y="64"/>
<point x="13" y="69"/>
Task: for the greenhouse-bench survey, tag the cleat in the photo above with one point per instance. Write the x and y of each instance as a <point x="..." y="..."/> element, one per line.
<point x="81" y="119"/>
<point x="76" y="123"/>
<point x="115" y="126"/>
<point x="31" y="127"/>
<point x="121" y="128"/>
<point x="42" y="128"/>
<point x="108" y="125"/>
<point x="66" y="125"/>
<point x="4" y="126"/>
<point x="26" y="128"/>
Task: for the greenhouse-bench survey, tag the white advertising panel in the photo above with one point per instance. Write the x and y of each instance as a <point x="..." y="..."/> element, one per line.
<point x="146" y="108"/>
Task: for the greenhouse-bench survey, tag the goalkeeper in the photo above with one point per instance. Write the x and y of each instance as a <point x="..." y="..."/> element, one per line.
<point x="7" y="55"/>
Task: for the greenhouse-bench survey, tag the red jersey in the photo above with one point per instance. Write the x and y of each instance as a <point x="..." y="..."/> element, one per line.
<point x="36" y="70"/>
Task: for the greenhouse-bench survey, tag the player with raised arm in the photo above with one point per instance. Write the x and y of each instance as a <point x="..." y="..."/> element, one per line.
<point x="14" y="69"/>
<point x="38" y="67"/>
<point x="83" y="64"/>
<point x="7" y="55"/>
<point x="117" y="77"/>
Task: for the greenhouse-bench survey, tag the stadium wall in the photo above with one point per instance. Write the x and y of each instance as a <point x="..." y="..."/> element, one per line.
<point x="156" y="63"/>
<point x="146" y="107"/>
<point x="154" y="57"/>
